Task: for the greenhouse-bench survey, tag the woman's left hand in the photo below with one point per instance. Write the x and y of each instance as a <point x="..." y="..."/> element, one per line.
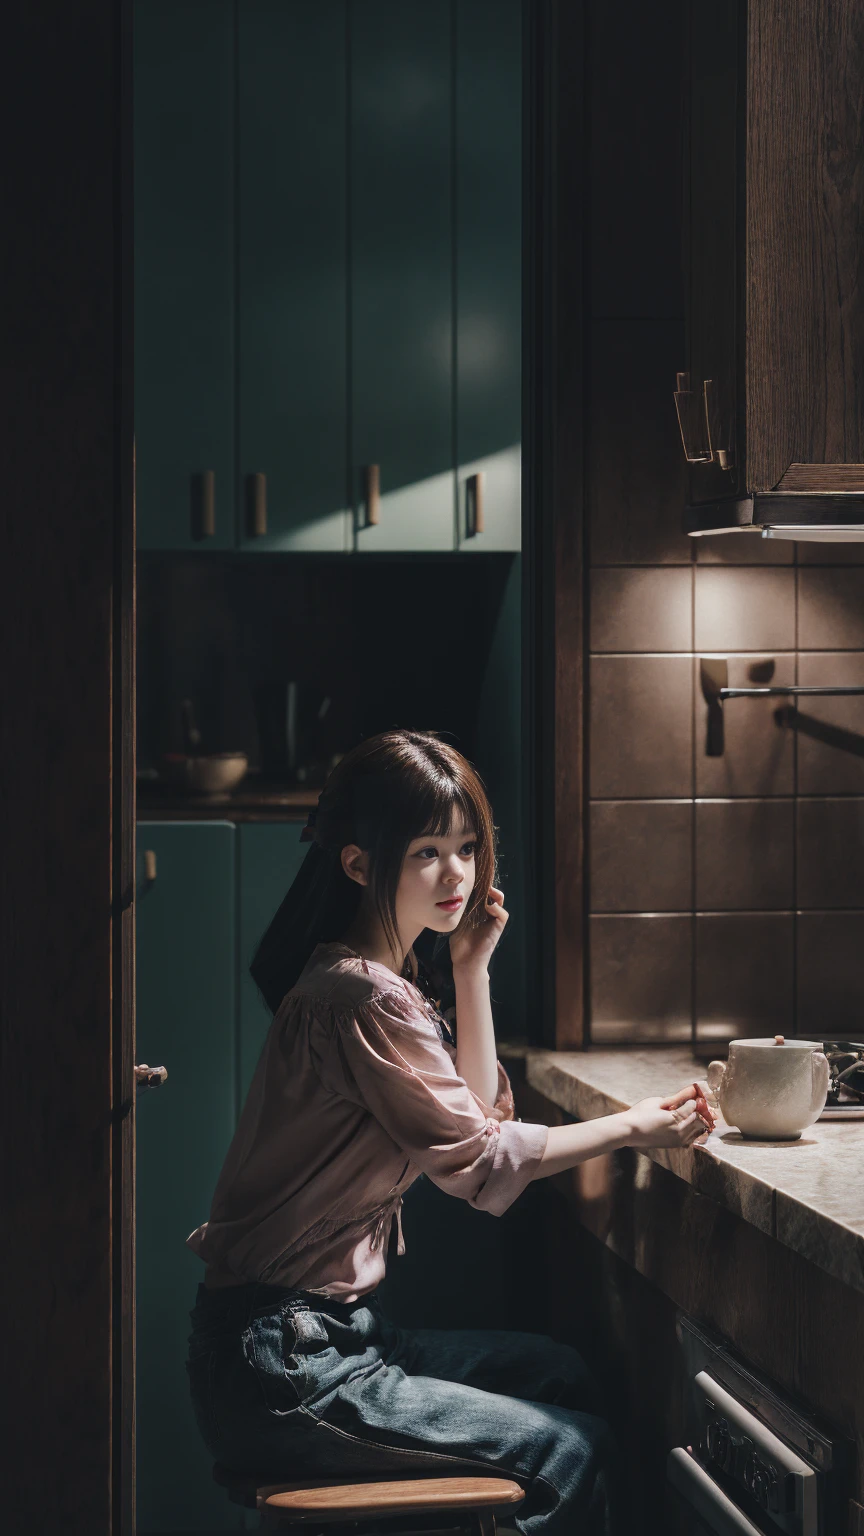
<point x="472" y="949"/>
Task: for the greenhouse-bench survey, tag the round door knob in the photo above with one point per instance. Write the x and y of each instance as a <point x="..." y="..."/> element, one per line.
<point x="149" y="1077"/>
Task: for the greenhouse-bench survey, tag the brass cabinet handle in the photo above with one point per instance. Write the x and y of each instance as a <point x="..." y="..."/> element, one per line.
<point x="257" y="492"/>
<point x="373" y="495"/>
<point x="149" y="1077"/>
<point x="474" y="505"/>
<point x="149" y="866"/>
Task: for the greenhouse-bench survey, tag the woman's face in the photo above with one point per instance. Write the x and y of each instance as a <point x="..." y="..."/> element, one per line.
<point x="436" y="881"/>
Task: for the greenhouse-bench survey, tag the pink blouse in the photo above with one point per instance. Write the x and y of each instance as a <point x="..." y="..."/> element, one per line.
<point x="354" y="1096"/>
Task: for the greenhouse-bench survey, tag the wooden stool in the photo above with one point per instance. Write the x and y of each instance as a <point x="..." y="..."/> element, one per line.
<point x="419" y="1503"/>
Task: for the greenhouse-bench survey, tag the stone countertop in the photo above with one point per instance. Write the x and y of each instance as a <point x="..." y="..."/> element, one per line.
<point x="807" y="1194"/>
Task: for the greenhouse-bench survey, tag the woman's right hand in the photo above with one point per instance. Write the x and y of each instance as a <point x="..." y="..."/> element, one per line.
<point x="670" y="1122"/>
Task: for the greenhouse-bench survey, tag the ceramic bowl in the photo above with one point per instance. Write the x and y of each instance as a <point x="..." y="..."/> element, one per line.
<point x="210" y="776"/>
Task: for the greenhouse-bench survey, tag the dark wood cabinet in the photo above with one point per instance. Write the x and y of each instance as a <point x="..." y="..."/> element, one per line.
<point x="771" y="396"/>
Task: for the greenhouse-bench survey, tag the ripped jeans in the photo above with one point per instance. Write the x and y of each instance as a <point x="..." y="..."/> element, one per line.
<point x="287" y="1384"/>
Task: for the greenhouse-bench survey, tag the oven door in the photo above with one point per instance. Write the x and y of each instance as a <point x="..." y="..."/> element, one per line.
<point x="697" y="1506"/>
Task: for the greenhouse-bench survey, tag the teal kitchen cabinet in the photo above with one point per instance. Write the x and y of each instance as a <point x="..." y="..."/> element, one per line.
<point x="292" y="289"/>
<point x="488" y="201"/>
<point x="401" y="277"/>
<point x="328" y="275"/>
<point x="184" y="222"/>
<point x="186" y="1013"/>
<point x="270" y="856"/>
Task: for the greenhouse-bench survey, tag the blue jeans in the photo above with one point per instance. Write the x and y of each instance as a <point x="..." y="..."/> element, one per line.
<point x="286" y="1385"/>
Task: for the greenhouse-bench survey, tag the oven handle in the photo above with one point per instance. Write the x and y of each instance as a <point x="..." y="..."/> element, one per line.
<point x="699" y="1490"/>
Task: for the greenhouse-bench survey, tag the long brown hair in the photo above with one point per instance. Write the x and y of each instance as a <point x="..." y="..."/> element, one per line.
<point x="384" y="793"/>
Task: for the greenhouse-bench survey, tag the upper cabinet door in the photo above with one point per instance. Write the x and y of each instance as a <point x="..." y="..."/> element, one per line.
<point x="488" y="201"/>
<point x="292" y="244"/>
<point x="184" y="273"/>
<point x="401" y="271"/>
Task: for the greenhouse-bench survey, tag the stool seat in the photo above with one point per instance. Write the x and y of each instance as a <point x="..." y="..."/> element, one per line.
<point x="331" y="1501"/>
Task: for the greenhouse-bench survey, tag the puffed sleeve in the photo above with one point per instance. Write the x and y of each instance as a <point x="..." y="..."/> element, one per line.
<point x="386" y="1056"/>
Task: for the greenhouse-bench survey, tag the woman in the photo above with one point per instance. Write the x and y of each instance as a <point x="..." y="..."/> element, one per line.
<point x="294" y="1369"/>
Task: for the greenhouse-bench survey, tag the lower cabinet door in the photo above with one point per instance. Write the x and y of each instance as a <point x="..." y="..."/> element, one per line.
<point x="186" y="1021"/>
<point x="270" y="855"/>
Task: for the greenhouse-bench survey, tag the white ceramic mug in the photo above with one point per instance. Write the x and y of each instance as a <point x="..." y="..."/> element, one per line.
<point x="771" y="1091"/>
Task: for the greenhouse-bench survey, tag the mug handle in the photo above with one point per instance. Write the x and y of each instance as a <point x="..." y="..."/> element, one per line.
<point x="715" y="1075"/>
<point x="821" y="1078"/>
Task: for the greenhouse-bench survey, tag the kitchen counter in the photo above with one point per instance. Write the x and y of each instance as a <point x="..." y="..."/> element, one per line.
<point x="249" y="802"/>
<point x="807" y="1194"/>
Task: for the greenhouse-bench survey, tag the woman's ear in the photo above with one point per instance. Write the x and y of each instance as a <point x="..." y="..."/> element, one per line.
<point x="355" y="862"/>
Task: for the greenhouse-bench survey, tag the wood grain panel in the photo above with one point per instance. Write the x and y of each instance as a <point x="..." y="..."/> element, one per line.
<point x="66" y="599"/>
<point x="805" y="222"/>
<point x="823" y="477"/>
<point x="554" y="496"/>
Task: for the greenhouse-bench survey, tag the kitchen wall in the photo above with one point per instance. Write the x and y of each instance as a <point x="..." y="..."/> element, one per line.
<point x="229" y="632"/>
<point x="726" y="893"/>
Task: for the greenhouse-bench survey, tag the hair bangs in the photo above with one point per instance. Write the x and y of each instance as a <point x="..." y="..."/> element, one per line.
<point x="447" y="803"/>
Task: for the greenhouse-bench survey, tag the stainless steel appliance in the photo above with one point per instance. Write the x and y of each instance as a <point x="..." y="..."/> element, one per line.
<point x="846" y="1089"/>
<point x="754" y="1464"/>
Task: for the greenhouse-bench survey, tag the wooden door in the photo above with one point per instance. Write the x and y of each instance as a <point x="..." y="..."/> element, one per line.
<point x="67" y="810"/>
<point x="270" y="854"/>
<point x="401" y="293"/>
<point x="488" y="299"/>
<point x="186" y="1011"/>
<point x="184" y="273"/>
<point x="292" y="275"/>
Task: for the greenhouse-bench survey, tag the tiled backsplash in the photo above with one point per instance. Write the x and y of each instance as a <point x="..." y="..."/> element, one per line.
<point x="726" y="893"/>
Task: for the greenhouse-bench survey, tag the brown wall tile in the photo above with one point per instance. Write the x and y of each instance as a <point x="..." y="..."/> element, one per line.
<point x="640" y="978"/>
<point x="745" y="855"/>
<point x="831" y="554"/>
<point x="831" y="609"/>
<point x="645" y="609"/>
<point x="640" y="855"/>
<point x="744" y="975"/>
<point x="830" y="974"/>
<point x="830" y="732"/>
<point x="636" y="467"/>
<point x="758" y="751"/>
<point x="744" y="610"/>
<point x="641" y="727"/>
<point x="743" y="549"/>
<point x="831" y="853"/>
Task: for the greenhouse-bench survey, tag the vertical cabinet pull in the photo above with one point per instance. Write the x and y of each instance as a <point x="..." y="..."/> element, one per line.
<point x="372" y="495"/>
<point x="203" y="504"/>
<point x="208" y="504"/>
<point x="474" y="505"/>
<point x="257" y="495"/>
<point x="149" y="866"/>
